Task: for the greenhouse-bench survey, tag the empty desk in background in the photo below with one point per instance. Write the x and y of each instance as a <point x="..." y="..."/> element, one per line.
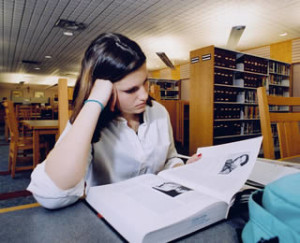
<point x="40" y="127"/>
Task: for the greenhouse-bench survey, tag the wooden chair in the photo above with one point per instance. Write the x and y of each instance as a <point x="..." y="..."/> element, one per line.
<point x="23" y="112"/>
<point x="20" y="147"/>
<point x="6" y="129"/>
<point x="287" y="124"/>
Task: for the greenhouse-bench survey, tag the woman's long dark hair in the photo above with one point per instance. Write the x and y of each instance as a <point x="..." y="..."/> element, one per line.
<point x="110" y="56"/>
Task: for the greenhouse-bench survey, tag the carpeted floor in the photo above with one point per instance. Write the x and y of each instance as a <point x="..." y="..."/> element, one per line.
<point x="12" y="191"/>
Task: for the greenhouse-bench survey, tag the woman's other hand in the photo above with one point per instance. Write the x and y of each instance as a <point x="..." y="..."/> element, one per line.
<point x="194" y="158"/>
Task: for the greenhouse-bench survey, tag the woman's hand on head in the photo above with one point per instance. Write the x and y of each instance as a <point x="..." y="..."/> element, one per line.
<point x="102" y="91"/>
<point x="194" y="158"/>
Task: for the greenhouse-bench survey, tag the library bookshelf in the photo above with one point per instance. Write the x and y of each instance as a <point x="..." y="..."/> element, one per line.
<point x="223" y="100"/>
<point x="170" y="89"/>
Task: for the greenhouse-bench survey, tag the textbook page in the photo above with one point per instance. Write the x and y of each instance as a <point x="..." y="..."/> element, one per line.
<point x="222" y="170"/>
<point x="159" y="208"/>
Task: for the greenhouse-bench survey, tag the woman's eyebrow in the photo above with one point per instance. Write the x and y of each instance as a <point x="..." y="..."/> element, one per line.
<point x="136" y="86"/>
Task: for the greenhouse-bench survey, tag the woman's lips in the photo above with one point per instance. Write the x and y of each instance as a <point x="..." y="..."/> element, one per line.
<point x="141" y="105"/>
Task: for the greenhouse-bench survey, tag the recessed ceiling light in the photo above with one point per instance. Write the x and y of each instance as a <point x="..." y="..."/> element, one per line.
<point x="68" y="33"/>
<point x="70" y="25"/>
<point x="283" y="34"/>
<point x="48" y="57"/>
<point x="37" y="68"/>
<point x="31" y="62"/>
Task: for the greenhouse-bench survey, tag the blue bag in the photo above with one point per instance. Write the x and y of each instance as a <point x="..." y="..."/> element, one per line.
<point x="274" y="213"/>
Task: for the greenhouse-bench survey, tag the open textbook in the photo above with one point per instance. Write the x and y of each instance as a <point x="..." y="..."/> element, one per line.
<point x="178" y="201"/>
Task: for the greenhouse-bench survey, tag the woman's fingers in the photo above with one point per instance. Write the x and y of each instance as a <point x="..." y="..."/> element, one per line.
<point x="102" y="91"/>
<point x="194" y="158"/>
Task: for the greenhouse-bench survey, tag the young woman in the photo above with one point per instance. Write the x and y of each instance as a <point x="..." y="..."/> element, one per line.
<point x="115" y="132"/>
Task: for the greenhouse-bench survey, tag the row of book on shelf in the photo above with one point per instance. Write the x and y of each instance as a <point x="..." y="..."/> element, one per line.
<point x="224" y="58"/>
<point x="236" y="128"/>
<point x="238" y="79"/>
<point x="236" y="112"/>
<point x="279" y="68"/>
<point x="244" y="62"/>
<point x="225" y="94"/>
<point x="278" y="91"/>
<point x="252" y="64"/>
<point x="279" y="80"/>
<point x="248" y="80"/>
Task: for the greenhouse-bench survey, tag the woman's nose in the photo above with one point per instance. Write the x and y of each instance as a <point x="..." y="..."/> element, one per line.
<point x="143" y="93"/>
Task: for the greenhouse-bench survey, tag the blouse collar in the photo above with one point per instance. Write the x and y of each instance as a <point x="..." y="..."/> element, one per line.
<point x="121" y="120"/>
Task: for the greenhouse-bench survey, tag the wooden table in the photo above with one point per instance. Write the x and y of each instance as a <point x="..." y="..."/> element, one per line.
<point x="40" y="127"/>
<point x="78" y="223"/>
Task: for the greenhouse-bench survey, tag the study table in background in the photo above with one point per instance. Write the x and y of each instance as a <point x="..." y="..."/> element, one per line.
<point x="40" y="127"/>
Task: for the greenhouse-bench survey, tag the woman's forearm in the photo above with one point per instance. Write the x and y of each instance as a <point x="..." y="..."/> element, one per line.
<point x="66" y="164"/>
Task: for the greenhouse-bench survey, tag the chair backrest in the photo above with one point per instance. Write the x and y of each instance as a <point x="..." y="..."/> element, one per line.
<point x="287" y="124"/>
<point x="12" y="120"/>
<point x="23" y="112"/>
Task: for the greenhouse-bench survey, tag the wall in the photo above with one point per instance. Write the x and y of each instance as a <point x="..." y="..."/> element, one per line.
<point x="6" y="92"/>
<point x="166" y="73"/>
<point x="281" y="51"/>
<point x="285" y="51"/>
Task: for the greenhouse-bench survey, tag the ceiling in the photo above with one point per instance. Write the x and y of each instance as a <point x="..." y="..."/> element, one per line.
<point x="175" y="27"/>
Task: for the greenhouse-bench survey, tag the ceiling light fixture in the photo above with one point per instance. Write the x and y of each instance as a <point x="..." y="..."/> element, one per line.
<point x="70" y="25"/>
<point x="235" y="36"/>
<point x="165" y="59"/>
<point x="48" y="57"/>
<point x="283" y="34"/>
<point x="31" y="62"/>
<point x="68" y="33"/>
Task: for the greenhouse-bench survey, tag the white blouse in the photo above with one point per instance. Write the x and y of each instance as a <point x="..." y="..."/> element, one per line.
<point x="119" y="155"/>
